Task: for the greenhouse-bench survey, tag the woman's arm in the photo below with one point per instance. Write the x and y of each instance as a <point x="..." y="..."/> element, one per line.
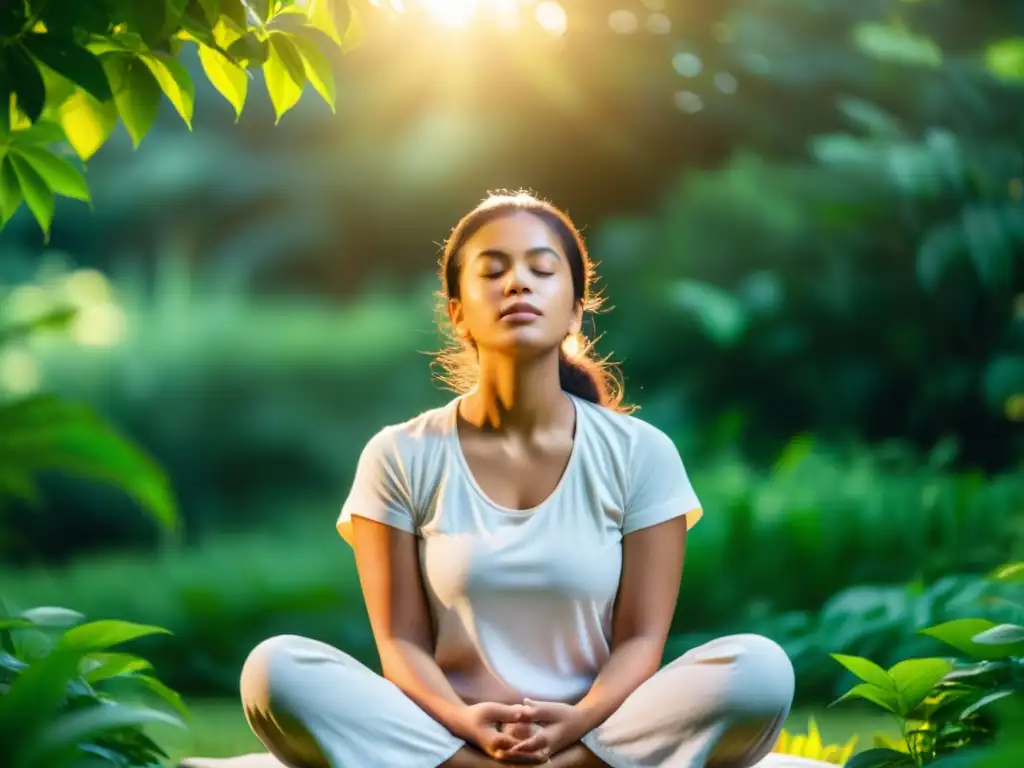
<point x="388" y="565"/>
<point x="652" y="569"/>
<point x="652" y="566"/>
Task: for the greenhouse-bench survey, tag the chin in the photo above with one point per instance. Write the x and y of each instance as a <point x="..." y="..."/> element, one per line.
<point x="524" y="343"/>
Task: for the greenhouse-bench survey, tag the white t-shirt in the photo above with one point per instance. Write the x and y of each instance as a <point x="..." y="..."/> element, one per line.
<point x="521" y="600"/>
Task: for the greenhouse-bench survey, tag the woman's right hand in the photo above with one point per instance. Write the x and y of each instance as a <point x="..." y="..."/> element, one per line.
<point x="491" y="727"/>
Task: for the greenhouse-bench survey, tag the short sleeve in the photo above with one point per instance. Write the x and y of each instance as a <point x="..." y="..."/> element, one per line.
<point x="380" y="489"/>
<point x="659" y="487"/>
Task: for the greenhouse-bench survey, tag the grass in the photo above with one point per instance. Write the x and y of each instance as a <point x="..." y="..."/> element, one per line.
<point x="219" y="729"/>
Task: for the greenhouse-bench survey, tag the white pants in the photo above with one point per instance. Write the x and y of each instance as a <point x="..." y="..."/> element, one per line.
<point x="313" y="706"/>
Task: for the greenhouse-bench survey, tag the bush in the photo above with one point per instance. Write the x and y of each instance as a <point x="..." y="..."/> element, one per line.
<point x="945" y="707"/>
<point x="65" y="696"/>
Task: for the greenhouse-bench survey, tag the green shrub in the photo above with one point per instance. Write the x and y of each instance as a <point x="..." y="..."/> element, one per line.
<point x="945" y="706"/>
<point x="67" y="697"/>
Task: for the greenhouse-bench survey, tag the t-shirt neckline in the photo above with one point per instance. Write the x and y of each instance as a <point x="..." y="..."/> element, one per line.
<point x="467" y="472"/>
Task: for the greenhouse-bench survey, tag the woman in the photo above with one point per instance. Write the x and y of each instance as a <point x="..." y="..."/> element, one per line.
<point x="520" y="552"/>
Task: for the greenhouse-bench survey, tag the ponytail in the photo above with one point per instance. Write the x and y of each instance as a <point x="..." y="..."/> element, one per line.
<point x="578" y="377"/>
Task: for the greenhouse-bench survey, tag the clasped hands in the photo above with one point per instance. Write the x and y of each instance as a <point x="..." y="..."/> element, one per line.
<point x="530" y="732"/>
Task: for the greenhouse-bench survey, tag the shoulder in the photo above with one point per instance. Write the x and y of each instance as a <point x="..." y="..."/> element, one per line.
<point x="405" y="443"/>
<point x="626" y="437"/>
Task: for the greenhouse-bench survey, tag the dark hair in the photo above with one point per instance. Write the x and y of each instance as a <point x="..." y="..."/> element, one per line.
<point x="580" y="373"/>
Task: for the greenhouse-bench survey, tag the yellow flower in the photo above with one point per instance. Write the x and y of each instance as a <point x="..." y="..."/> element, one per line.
<point x="810" y="745"/>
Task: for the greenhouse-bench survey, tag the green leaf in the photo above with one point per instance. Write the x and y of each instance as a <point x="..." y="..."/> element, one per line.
<point x="69" y="730"/>
<point x="46" y="433"/>
<point x="915" y="679"/>
<point x="75" y="63"/>
<point x="889" y="42"/>
<point x="98" y="667"/>
<point x="6" y="99"/>
<point x="87" y="123"/>
<point x="355" y="32"/>
<point x="212" y="10"/>
<point x="984" y="701"/>
<point x="174" y="81"/>
<point x="887" y="700"/>
<point x="249" y="50"/>
<point x="1008" y="572"/>
<point x="165" y="694"/>
<point x="1003" y="634"/>
<point x="230" y="80"/>
<point x="28" y="81"/>
<point x="332" y="17"/>
<point x="53" y="616"/>
<point x="1005" y="59"/>
<point x="233" y="11"/>
<point x="99" y="635"/>
<point x="8" y="624"/>
<point x="175" y="10"/>
<point x="35" y="696"/>
<point x="866" y="670"/>
<point x="38" y="195"/>
<point x="880" y="758"/>
<point x="136" y="93"/>
<point x="318" y="69"/>
<point x="60" y="175"/>
<point x="259" y="11"/>
<point x="10" y="190"/>
<point x="43" y="132"/>
<point x="147" y="19"/>
<point x="284" y="72"/>
<point x="960" y="634"/>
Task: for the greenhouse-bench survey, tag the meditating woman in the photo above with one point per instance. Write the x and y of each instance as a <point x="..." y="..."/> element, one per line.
<point x="520" y="552"/>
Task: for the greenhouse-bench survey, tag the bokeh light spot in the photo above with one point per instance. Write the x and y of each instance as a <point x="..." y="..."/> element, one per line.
<point x="552" y="17"/>
<point x="623" y="22"/>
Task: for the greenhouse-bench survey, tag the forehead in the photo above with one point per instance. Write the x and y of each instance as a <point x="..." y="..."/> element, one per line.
<point x="513" y="233"/>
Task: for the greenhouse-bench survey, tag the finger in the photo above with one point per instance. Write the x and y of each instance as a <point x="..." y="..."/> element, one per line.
<point x="502" y="742"/>
<point x="504" y="713"/>
<point x="538" y="710"/>
<point x="536" y="743"/>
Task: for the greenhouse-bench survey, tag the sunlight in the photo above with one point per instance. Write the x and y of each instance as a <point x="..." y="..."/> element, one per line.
<point x="549" y="15"/>
<point x="451" y="13"/>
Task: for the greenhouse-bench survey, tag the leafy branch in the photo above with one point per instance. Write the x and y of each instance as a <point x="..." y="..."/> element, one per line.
<point x="70" y="71"/>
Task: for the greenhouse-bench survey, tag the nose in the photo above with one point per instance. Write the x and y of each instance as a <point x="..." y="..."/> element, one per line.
<point x="518" y="279"/>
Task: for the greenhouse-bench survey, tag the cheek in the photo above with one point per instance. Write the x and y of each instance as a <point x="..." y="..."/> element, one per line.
<point x="478" y="298"/>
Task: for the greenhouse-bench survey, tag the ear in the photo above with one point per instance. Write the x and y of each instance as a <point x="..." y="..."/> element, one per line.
<point x="457" y="317"/>
<point x="576" y="324"/>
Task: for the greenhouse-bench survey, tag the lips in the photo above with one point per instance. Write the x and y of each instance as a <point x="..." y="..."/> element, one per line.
<point x="520" y="308"/>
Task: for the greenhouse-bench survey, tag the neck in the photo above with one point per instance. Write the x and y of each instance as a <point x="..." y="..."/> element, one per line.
<point x="516" y="394"/>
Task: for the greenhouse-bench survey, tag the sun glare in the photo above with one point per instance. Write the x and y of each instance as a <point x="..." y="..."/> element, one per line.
<point x="549" y="15"/>
<point x="451" y="13"/>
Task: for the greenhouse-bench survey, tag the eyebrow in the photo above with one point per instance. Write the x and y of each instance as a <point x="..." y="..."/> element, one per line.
<point x="497" y="253"/>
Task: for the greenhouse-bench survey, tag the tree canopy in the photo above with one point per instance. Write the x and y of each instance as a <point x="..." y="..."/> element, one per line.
<point x="70" y="70"/>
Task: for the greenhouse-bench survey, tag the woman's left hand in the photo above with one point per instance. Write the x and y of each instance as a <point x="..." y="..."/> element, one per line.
<point x="561" y="726"/>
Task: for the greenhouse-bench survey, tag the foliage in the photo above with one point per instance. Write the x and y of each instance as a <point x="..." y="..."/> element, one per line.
<point x="67" y="696"/>
<point x="810" y="745"/>
<point x="943" y="705"/>
<point x="926" y="232"/>
<point x="40" y="433"/>
<point x="69" y="71"/>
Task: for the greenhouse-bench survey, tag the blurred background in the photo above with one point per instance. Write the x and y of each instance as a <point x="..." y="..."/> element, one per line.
<point x="809" y="222"/>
